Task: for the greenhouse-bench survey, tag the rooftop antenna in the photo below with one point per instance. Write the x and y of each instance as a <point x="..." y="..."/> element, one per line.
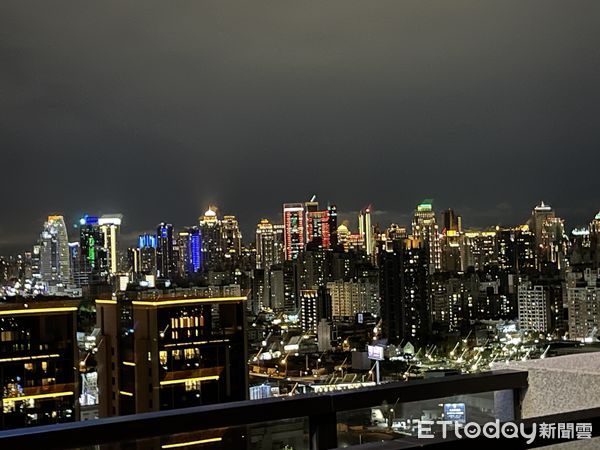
<point x="313" y="198"/>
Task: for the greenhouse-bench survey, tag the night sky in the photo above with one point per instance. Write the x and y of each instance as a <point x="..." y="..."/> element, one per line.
<point x="156" y="109"/>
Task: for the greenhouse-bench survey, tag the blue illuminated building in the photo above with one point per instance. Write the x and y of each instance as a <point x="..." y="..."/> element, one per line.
<point x="195" y="249"/>
<point x="147" y="241"/>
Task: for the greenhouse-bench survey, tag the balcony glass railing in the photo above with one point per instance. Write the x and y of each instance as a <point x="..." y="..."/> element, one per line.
<point x="313" y="421"/>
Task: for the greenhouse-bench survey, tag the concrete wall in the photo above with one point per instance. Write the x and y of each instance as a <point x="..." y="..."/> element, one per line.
<point x="559" y="384"/>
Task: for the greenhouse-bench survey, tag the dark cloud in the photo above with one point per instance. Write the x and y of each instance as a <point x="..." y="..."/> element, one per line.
<point x="156" y="109"/>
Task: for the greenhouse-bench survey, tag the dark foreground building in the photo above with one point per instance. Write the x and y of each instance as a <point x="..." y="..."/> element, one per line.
<point x="170" y="349"/>
<point x="38" y="354"/>
<point x="404" y="291"/>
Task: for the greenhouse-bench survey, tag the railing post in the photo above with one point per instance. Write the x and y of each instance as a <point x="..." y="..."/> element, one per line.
<point x="519" y="395"/>
<point x="322" y="430"/>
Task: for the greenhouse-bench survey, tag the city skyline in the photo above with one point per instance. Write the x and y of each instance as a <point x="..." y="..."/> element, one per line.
<point x="129" y="236"/>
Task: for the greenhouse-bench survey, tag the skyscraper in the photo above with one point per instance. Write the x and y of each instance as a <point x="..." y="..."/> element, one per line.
<point x="312" y="206"/>
<point x="268" y="265"/>
<point x="451" y="221"/>
<point x="109" y="227"/>
<point x="278" y="243"/>
<point x="319" y="227"/>
<point x="75" y="261"/>
<point x="146" y="261"/>
<point x="212" y="239"/>
<point x="49" y="263"/>
<point x="540" y="215"/>
<point x="87" y="250"/>
<point x="189" y="242"/>
<point x="343" y="236"/>
<point x="165" y="258"/>
<point x="424" y="228"/>
<point x="55" y="266"/>
<point x="265" y="245"/>
<point x="553" y="245"/>
<point x="94" y="253"/>
<point x="551" y="242"/>
<point x="293" y="222"/>
<point x="232" y="240"/>
<point x="525" y="249"/>
<point x="365" y="229"/>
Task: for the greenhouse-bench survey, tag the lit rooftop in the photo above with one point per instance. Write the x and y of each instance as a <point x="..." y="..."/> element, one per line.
<point x="425" y="205"/>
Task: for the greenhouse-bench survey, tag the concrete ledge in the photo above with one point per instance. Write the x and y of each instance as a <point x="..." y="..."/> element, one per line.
<point x="560" y="384"/>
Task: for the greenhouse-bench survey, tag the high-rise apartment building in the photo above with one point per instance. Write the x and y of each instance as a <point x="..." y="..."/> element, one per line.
<point x="424" y="228"/>
<point x="454" y="300"/>
<point x="583" y="300"/>
<point x="269" y="259"/>
<point x="309" y="310"/>
<point x="349" y="298"/>
<point x="534" y="308"/>
<point x="404" y="290"/>
<point x="171" y="349"/>
<point x="38" y="362"/>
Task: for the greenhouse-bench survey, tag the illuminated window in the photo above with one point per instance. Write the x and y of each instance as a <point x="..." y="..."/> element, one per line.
<point x="191" y="353"/>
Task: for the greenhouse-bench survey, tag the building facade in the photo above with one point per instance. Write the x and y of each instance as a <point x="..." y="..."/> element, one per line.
<point x="171" y="349"/>
<point x="38" y="362"/>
